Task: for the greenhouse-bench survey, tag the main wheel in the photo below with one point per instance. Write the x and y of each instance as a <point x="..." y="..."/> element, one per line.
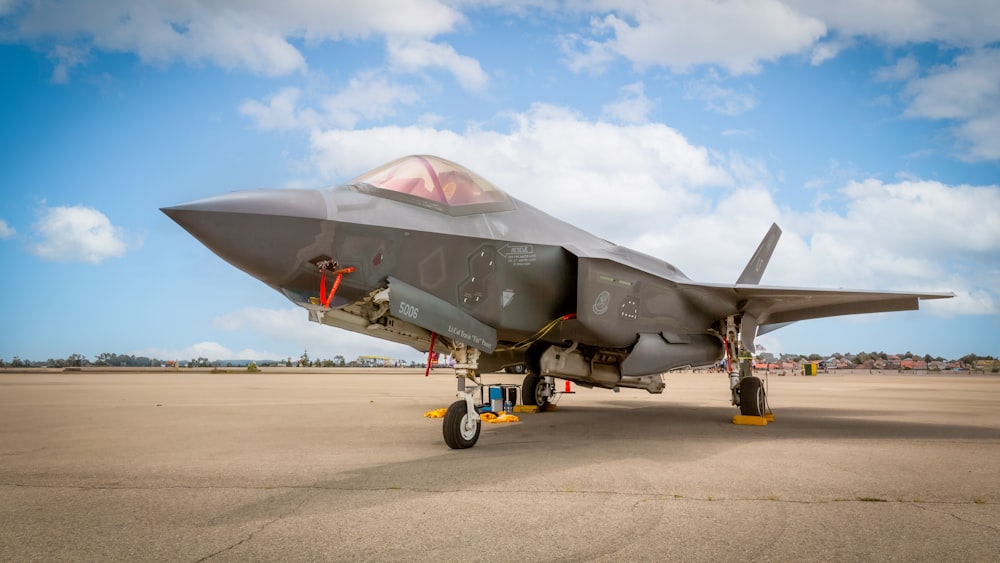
<point x="533" y="391"/>
<point x="458" y="433"/>
<point x="752" y="400"/>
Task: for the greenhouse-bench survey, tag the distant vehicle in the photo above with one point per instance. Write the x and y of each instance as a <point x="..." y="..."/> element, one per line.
<point x="424" y="252"/>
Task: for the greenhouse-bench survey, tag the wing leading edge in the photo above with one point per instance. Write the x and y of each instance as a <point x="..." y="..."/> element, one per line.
<point x="773" y="307"/>
<point x="765" y="309"/>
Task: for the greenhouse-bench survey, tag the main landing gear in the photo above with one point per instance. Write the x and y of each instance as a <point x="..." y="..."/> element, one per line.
<point x="752" y="400"/>
<point x="537" y="390"/>
<point x="747" y="389"/>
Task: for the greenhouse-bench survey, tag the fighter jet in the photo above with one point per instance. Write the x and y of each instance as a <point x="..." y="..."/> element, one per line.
<point x="425" y="252"/>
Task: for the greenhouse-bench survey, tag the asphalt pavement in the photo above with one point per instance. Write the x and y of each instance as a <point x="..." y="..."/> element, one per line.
<point x="337" y="465"/>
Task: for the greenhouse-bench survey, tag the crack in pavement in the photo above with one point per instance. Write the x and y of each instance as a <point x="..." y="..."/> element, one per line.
<point x="256" y="531"/>
<point x="646" y="495"/>
<point x="959" y="518"/>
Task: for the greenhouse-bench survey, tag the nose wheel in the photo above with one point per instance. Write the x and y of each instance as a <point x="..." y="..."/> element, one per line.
<point x="460" y="427"/>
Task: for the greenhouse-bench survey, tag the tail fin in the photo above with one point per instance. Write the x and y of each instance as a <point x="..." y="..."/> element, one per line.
<point x="751" y="276"/>
<point x="755" y="267"/>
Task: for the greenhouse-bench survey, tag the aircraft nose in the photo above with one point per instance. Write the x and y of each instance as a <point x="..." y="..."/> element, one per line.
<point x="260" y="232"/>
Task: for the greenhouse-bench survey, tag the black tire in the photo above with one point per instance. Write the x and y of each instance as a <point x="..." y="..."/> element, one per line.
<point x="519" y="368"/>
<point x="752" y="400"/>
<point x="453" y="427"/>
<point x="531" y="391"/>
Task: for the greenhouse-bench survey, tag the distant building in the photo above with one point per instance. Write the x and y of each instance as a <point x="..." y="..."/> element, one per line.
<point x="987" y="365"/>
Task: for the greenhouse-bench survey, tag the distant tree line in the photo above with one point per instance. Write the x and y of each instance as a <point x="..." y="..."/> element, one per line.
<point x="108" y="359"/>
<point x="862" y="357"/>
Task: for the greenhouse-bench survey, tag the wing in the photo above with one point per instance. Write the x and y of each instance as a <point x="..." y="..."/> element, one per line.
<point x="780" y="305"/>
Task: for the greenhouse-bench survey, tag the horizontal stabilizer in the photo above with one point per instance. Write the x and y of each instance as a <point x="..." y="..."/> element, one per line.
<point x="758" y="262"/>
<point x="764" y="329"/>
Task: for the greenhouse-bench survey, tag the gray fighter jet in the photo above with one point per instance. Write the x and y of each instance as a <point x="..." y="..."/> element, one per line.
<point x="424" y="252"/>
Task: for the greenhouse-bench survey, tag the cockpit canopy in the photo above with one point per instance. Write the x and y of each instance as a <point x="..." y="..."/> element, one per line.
<point x="435" y="183"/>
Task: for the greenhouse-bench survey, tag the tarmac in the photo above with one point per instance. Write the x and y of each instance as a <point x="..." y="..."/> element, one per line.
<point x="337" y="465"/>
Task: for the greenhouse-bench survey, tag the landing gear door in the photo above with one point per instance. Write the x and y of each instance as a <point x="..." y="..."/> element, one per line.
<point x="416" y="306"/>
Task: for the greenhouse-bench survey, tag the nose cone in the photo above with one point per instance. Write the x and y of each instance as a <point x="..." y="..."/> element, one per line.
<point x="260" y="232"/>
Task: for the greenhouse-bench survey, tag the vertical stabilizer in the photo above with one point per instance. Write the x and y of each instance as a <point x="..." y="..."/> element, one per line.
<point x="755" y="267"/>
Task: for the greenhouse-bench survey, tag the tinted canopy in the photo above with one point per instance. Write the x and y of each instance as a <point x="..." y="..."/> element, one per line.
<point x="436" y="183"/>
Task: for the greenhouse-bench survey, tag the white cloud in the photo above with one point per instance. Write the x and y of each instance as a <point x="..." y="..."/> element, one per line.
<point x="981" y="134"/>
<point x="739" y="36"/>
<point x="962" y="22"/>
<point x="213" y="351"/>
<point x="253" y="36"/>
<point x="828" y="49"/>
<point x="290" y="328"/>
<point x="66" y="58"/>
<point x="681" y="34"/>
<point x="368" y="96"/>
<point x="77" y="234"/>
<point x="967" y="92"/>
<point x="718" y="98"/>
<point x="631" y="107"/>
<point x="279" y="113"/>
<point x="920" y="235"/>
<point x="415" y="55"/>
<point x="6" y="231"/>
<point x="905" y="68"/>
<point x="586" y="55"/>
<point x="553" y="159"/>
<point x="965" y="88"/>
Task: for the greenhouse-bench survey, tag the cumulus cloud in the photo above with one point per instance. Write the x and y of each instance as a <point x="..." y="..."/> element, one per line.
<point x="415" y="55"/>
<point x="278" y="112"/>
<point x="905" y="68"/>
<point x="555" y="160"/>
<point x="213" y="351"/>
<point x="6" y="231"/>
<point x="631" y="107"/>
<point x="718" y="98"/>
<point x="66" y="57"/>
<point x="966" y="92"/>
<point x="583" y="54"/>
<point x="969" y="23"/>
<point x="253" y="36"/>
<point x="828" y="49"/>
<point x="681" y="34"/>
<point x="77" y="234"/>
<point x="290" y="327"/>
<point x="369" y="96"/>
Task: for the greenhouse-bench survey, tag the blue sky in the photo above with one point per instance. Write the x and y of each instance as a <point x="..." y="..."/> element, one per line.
<point x="868" y="131"/>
